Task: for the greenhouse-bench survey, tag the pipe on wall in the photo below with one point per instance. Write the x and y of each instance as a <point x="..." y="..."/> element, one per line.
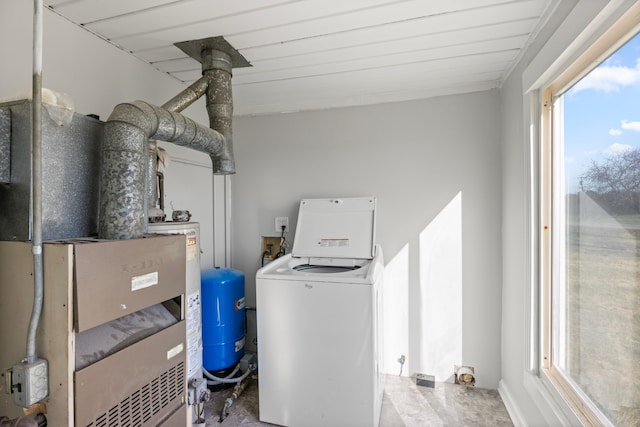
<point x="36" y="158"/>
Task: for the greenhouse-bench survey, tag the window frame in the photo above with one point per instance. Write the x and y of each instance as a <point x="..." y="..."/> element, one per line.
<point x="549" y="228"/>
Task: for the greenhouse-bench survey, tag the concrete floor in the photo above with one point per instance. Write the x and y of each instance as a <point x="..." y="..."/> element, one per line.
<point x="404" y="405"/>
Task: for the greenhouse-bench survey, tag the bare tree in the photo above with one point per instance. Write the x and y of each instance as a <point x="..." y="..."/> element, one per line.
<point x="617" y="175"/>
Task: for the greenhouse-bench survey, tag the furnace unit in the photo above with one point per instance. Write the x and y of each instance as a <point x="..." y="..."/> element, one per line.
<point x="112" y="329"/>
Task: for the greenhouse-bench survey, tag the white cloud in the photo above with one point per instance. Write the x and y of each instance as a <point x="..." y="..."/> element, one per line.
<point x="615" y="132"/>
<point x="609" y="78"/>
<point x="617" y="148"/>
<point x="630" y="125"/>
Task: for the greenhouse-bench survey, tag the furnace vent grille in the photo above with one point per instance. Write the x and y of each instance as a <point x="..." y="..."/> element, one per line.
<point x="139" y="407"/>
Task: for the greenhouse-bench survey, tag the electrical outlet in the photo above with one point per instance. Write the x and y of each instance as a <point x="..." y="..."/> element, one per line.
<point x="280" y="221"/>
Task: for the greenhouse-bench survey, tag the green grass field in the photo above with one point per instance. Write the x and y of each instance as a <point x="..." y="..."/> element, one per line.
<point x="603" y="315"/>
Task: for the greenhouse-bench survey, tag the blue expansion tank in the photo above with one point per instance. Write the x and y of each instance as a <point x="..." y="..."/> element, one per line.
<point x="223" y="319"/>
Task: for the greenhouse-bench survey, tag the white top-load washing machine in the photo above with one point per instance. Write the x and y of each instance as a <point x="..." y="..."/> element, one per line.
<point x="319" y="342"/>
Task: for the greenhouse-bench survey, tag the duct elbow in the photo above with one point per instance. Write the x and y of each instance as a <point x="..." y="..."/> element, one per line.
<point x="138" y="114"/>
<point x="223" y="166"/>
<point x="127" y="131"/>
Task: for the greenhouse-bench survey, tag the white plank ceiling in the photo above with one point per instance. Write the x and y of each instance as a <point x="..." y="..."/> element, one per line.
<point x="315" y="54"/>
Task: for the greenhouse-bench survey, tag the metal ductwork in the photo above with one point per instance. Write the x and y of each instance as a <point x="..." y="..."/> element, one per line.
<point x="131" y="125"/>
<point x="216" y="66"/>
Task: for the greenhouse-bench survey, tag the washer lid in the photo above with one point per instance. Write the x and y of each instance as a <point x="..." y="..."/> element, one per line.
<point x="336" y="228"/>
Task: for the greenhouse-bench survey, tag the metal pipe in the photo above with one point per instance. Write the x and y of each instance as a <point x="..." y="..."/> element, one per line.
<point x="127" y="131"/>
<point x="237" y="391"/>
<point x="24" y="421"/>
<point x="38" y="275"/>
<point x="187" y="96"/>
<point x="123" y="207"/>
<point x="154" y="214"/>
<point x="216" y="67"/>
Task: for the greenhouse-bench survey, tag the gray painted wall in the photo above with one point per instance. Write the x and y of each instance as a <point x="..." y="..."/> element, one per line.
<point x="434" y="166"/>
<point x="419" y="159"/>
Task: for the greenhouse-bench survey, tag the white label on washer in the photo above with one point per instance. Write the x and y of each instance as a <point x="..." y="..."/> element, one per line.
<point x="144" y="281"/>
<point x="332" y="243"/>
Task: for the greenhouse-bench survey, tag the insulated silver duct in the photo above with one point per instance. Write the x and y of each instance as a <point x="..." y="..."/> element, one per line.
<point x="187" y="96"/>
<point x="124" y="196"/>
<point x="216" y="66"/>
<point x="127" y="131"/>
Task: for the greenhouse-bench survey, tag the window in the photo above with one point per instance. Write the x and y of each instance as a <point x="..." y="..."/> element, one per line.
<point x="590" y="231"/>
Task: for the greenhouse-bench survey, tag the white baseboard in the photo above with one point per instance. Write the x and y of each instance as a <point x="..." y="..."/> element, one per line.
<point x="511" y="405"/>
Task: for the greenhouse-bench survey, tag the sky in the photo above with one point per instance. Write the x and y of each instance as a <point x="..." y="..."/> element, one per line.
<point x="602" y="112"/>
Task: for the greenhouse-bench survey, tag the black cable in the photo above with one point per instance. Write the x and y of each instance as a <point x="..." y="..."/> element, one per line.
<point x="283" y="247"/>
<point x="265" y="253"/>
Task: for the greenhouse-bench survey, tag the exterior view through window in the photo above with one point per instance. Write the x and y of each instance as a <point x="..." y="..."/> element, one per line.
<point x="595" y="308"/>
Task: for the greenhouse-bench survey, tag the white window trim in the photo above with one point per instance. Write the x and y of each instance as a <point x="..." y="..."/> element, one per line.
<point x="612" y="28"/>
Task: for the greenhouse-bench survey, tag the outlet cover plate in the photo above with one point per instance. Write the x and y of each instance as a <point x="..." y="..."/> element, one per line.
<point x="280" y="221"/>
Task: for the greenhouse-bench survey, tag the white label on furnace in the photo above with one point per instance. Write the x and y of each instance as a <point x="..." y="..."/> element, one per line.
<point x="194" y="354"/>
<point x="175" y="351"/>
<point x="192" y="245"/>
<point x="194" y="334"/>
<point x="144" y="281"/>
<point x="193" y="311"/>
<point x="333" y="243"/>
